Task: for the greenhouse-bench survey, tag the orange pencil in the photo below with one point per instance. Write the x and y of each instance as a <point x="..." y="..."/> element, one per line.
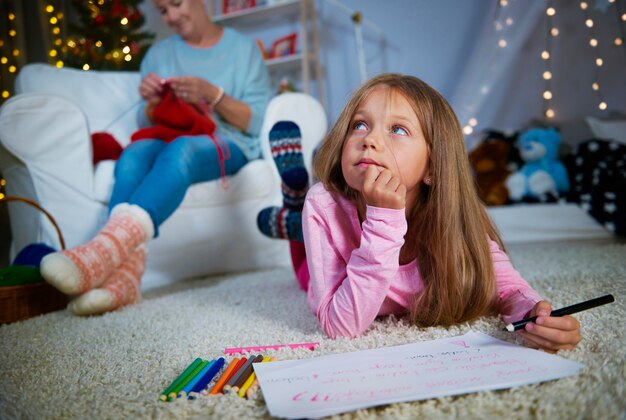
<point x="228" y="373"/>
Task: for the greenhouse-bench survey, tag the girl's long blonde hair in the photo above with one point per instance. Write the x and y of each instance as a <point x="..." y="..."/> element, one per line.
<point x="448" y="225"/>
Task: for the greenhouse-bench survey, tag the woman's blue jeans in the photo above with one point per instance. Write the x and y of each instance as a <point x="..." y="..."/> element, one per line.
<point x="155" y="175"/>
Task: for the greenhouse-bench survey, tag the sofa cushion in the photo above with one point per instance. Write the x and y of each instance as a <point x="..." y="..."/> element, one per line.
<point x="255" y="180"/>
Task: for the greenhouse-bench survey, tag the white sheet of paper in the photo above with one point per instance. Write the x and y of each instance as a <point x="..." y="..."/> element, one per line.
<point x="327" y="385"/>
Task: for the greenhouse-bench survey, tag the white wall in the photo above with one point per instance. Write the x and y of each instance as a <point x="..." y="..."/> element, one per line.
<point x="435" y="39"/>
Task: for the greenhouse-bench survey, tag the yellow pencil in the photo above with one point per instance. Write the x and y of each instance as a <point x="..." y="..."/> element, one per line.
<point x="253" y="389"/>
<point x="246" y="385"/>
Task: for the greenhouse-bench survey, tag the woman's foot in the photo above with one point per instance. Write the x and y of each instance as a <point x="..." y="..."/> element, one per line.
<point x="87" y="266"/>
<point x="120" y="289"/>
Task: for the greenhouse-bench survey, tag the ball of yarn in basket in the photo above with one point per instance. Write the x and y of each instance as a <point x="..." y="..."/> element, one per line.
<point x="32" y="254"/>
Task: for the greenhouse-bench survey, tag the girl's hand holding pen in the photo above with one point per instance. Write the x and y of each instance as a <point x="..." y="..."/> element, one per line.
<point x="551" y="333"/>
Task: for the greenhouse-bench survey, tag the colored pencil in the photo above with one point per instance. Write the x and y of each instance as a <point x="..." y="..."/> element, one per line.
<point x="219" y="385"/>
<point x="255" y="385"/>
<point x="567" y="310"/>
<point x="172" y="395"/>
<point x="187" y="371"/>
<point x="253" y="389"/>
<point x="246" y="385"/>
<point x="206" y="378"/>
<point x="204" y="366"/>
<point x="242" y="374"/>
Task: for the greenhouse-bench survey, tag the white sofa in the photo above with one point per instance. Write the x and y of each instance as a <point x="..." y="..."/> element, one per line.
<point x="46" y="155"/>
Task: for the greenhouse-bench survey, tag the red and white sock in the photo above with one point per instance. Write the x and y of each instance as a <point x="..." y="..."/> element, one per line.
<point x="87" y="266"/>
<point x="121" y="288"/>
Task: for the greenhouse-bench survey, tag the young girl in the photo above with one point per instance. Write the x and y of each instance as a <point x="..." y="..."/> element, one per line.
<point x="395" y="226"/>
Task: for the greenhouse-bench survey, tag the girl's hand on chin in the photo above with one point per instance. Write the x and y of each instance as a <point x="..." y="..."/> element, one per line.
<point x="382" y="189"/>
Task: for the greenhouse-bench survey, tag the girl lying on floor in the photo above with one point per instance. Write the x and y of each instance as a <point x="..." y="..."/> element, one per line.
<point x="395" y="226"/>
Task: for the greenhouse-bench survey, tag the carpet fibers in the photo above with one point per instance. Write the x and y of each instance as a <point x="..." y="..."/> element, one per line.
<point x="115" y="365"/>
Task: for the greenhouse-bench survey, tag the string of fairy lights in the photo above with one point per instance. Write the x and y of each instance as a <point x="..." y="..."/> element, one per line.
<point x="598" y="61"/>
<point x="546" y="55"/>
<point x="55" y="20"/>
<point x="8" y="52"/>
<point x="502" y="23"/>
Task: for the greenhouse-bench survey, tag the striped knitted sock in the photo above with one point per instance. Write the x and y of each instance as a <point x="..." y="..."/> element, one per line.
<point x="286" y="145"/>
<point x="87" y="266"/>
<point x="121" y="288"/>
<point x="280" y="223"/>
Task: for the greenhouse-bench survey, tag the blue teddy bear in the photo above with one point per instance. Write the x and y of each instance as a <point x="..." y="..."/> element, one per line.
<point x="542" y="173"/>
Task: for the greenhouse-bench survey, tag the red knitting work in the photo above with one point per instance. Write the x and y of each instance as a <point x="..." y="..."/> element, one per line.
<point x="174" y="117"/>
<point x="105" y="147"/>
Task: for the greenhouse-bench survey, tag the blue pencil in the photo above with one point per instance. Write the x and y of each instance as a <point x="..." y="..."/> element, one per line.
<point x="189" y="385"/>
<point x="215" y="367"/>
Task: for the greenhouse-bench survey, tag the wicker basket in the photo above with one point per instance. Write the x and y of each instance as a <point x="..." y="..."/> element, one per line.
<point x="28" y="300"/>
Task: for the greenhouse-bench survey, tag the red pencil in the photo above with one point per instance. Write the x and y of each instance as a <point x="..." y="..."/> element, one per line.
<point x="232" y="368"/>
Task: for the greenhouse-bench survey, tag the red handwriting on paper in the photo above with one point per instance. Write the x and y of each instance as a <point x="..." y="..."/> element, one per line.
<point x="461" y="343"/>
<point x="386" y="366"/>
<point x="437" y="371"/>
<point x="291" y="379"/>
<point x="445" y="383"/>
<point x="519" y="371"/>
<point x="423" y="363"/>
<point x="352" y="371"/>
<point x="485" y="365"/>
<point x="351" y="394"/>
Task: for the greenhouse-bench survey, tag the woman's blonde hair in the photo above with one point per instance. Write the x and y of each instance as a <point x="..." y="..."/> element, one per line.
<point x="448" y="226"/>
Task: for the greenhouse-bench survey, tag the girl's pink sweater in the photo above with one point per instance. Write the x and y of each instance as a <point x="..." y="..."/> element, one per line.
<point x="355" y="271"/>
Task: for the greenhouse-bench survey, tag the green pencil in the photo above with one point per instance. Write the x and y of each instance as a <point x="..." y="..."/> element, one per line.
<point x="182" y="376"/>
<point x="174" y="393"/>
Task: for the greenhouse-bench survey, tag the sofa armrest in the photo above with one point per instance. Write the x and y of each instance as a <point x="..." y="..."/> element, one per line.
<point x="49" y="134"/>
<point x="109" y="100"/>
<point x="46" y="155"/>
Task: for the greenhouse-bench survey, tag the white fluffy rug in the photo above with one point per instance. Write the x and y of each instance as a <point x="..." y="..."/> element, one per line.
<point x="115" y="366"/>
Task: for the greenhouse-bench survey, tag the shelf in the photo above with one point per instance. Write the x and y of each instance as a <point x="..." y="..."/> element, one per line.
<point x="287" y="63"/>
<point x="300" y="12"/>
<point x="259" y="13"/>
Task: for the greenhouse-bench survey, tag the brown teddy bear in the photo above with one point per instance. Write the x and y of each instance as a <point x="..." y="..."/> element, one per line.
<point x="490" y="162"/>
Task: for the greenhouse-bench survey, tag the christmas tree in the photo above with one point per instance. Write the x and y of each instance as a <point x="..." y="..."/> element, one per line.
<point x="108" y="37"/>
